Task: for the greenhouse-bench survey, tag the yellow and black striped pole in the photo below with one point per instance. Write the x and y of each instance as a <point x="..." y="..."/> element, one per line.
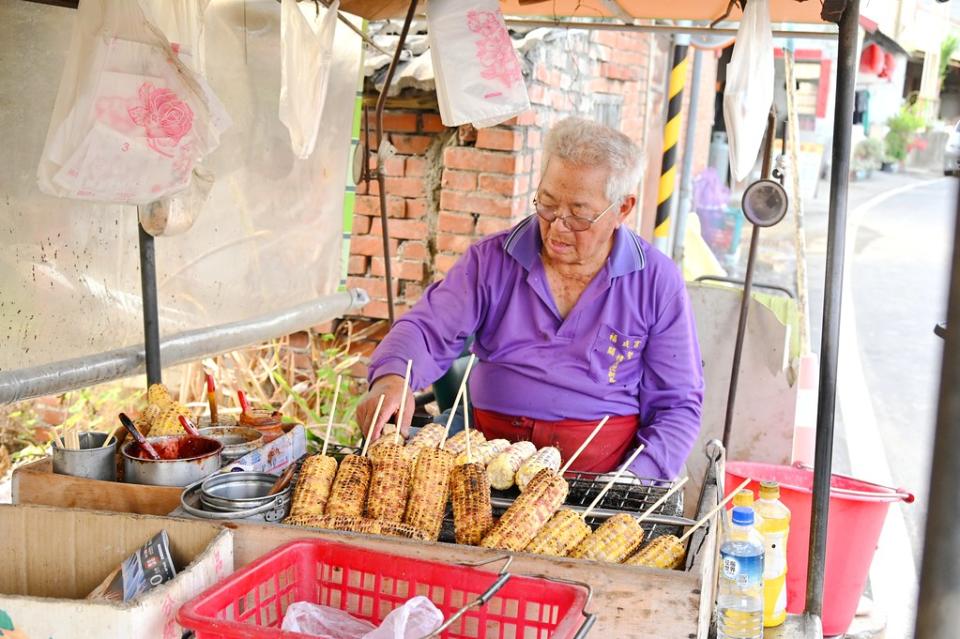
<point x="671" y="136"/>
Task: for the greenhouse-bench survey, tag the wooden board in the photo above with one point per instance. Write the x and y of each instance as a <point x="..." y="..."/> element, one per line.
<point x="36" y="483"/>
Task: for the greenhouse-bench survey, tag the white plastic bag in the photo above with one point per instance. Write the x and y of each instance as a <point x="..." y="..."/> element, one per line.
<point x="416" y="618"/>
<point x="325" y="622"/>
<point x="306" y="43"/>
<point x="131" y="120"/>
<point x="478" y="74"/>
<point x="749" y="92"/>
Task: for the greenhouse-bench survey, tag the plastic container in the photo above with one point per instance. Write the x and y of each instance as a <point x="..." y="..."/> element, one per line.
<point x="857" y="512"/>
<point x="744" y="499"/>
<point x="775" y="530"/>
<point x="369" y="584"/>
<point x="740" y="590"/>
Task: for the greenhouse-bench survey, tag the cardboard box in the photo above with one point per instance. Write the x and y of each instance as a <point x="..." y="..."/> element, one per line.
<point x="53" y="558"/>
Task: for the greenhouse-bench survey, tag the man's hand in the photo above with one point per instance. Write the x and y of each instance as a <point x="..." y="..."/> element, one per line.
<point x="391" y="387"/>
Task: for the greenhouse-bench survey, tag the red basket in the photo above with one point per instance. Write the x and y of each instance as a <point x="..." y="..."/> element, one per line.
<point x="368" y="584"/>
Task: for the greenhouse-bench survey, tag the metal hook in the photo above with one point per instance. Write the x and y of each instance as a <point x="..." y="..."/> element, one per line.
<point x="726" y="14"/>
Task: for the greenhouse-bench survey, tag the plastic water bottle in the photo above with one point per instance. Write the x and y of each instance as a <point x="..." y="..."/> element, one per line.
<point x="775" y="528"/>
<point x="745" y="498"/>
<point x="740" y="600"/>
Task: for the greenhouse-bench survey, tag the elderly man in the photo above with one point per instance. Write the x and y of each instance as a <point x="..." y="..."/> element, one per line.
<point x="575" y="317"/>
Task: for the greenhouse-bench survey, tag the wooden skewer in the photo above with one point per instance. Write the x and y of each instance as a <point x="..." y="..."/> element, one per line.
<point x="333" y="409"/>
<point x="403" y="400"/>
<point x="649" y="511"/>
<point x="461" y="393"/>
<point x="583" y="446"/>
<point x="56" y="438"/>
<point x="376" y="414"/>
<point x="110" y="435"/>
<point x="466" y="428"/>
<point x="610" y="483"/>
<point x="715" y="509"/>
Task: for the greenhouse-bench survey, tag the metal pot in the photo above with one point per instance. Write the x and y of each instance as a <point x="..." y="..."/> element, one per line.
<point x="171" y="472"/>
<point x="240" y="491"/>
<point x="237" y="440"/>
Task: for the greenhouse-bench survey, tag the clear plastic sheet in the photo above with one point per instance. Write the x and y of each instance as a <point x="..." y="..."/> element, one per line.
<point x="269" y="236"/>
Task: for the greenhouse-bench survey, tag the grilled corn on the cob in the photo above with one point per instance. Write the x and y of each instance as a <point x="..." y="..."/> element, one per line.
<point x="358" y="525"/>
<point x="389" y="484"/>
<point x="313" y="485"/>
<point x="163" y="412"/>
<point x="547" y="457"/>
<point x="565" y="530"/>
<point x="483" y="453"/>
<point x="665" y="551"/>
<point x="472" y="512"/>
<point x="428" y="491"/>
<point x="348" y="495"/>
<point x="528" y="513"/>
<point x="458" y="443"/>
<point x="503" y="468"/>
<point x="614" y="540"/>
<point x="429" y="436"/>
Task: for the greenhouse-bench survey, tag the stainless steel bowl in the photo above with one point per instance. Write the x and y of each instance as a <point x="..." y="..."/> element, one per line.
<point x="169" y="472"/>
<point x="239" y="491"/>
<point x="237" y="440"/>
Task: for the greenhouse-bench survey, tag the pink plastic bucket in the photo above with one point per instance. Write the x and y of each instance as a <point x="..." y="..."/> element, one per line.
<point x="857" y="511"/>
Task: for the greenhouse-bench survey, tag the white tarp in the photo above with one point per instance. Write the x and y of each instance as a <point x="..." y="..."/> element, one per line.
<point x="269" y="237"/>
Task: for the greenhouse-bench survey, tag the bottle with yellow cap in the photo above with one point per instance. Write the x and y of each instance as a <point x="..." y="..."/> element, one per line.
<point x="775" y="528"/>
<point x="744" y="499"/>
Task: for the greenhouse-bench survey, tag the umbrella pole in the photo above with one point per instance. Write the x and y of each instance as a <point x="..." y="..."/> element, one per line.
<point x="151" y="320"/>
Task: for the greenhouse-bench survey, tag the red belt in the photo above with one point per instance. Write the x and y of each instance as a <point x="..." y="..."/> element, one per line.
<point x="603" y="455"/>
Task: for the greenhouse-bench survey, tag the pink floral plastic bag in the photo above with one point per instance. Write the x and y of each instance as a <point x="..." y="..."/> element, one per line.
<point x="479" y="78"/>
<point x="131" y="120"/>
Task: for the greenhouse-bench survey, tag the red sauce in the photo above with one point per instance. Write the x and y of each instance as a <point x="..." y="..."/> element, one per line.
<point x="181" y="448"/>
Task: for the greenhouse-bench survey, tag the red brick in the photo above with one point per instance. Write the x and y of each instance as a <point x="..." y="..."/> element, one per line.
<point x="477" y="203"/>
<point x="527" y="118"/>
<point x="488" y="225"/>
<point x="376" y="309"/>
<point x="393" y="166"/>
<point x="459" y="180"/>
<point x="406" y="186"/>
<point x="466" y="134"/>
<point x="560" y="101"/>
<point x="415" y="166"/>
<point x="401" y="229"/>
<point x="431" y="123"/>
<point x="534" y="138"/>
<point x="444" y="263"/>
<point x="503" y="184"/>
<point x="361" y="225"/>
<point x="412" y="291"/>
<point x="412" y="144"/>
<point x="402" y="121"/>
<point x="370" y="205"/>
<point x="499" y="139"/>
<point x="537" y="94"/>
<point x="400" y="270"/>
<point x="416" y="208"/>
<point x="414" y="250"/>
<point x="472" y="159"/>
<point x="374" y="286"/>
<point x="451" y="222"/>
<point x="357" y="265"/>
<point x="370" y="245"/>
<point x="454" y="243"/>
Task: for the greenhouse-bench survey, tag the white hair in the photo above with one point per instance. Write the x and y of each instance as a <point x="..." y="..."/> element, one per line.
<point x="587" y="143"/>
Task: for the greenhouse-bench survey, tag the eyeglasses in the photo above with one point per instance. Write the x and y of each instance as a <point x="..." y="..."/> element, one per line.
<point x="575" y="223"/>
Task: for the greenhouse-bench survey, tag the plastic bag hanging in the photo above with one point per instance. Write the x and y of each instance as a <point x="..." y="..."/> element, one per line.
<point x="306" y="42"/>
<point x="479" y="78"/>
<point x="131" y="120"/>
<point x="749" y="92"/>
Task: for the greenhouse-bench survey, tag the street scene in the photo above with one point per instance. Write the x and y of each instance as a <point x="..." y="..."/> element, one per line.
<point x="357" y="319"/>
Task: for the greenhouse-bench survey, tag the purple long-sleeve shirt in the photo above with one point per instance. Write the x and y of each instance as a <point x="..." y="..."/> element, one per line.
<point x="628" y="346"/>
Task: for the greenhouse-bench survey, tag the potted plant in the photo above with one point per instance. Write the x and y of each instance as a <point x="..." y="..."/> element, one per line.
<point x="902" y="128"/>
<point x="867" y="157"/>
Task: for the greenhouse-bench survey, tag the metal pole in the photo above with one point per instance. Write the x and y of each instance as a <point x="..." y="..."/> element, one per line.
<point x="676" y="78"/>
<point x="381" y="178"/>
<point x="833" y="287"/>
<point x="151" y="321"/>
<point x="937" y="613"/>
<point x="657" y="28"/>
<point x="747" y="290"/>
<point x="684" y="208"/>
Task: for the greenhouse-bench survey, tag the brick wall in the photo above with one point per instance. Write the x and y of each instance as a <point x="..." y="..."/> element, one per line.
<point x="449" y="187"/>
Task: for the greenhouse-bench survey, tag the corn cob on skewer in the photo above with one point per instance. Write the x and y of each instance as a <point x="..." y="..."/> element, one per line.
<point x="313" y="485"/>
<point x="429" y="436"/>
<point x="428" y="491"/>
<point x="458" y="443"/>
<point x="565" y="530"/>
<point x="348" y="495"/>
<point x="614" y="540"/>
<point x="483" y="453"/>
<point x="389" y="484"/>
<point x="665" y="552"/>
<point x="547" y="457"/>
<point x="358" y="525"/>
<point x="528" y="513"/>
<point x="472" y="512"/>
<point x="503" y="468"/>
